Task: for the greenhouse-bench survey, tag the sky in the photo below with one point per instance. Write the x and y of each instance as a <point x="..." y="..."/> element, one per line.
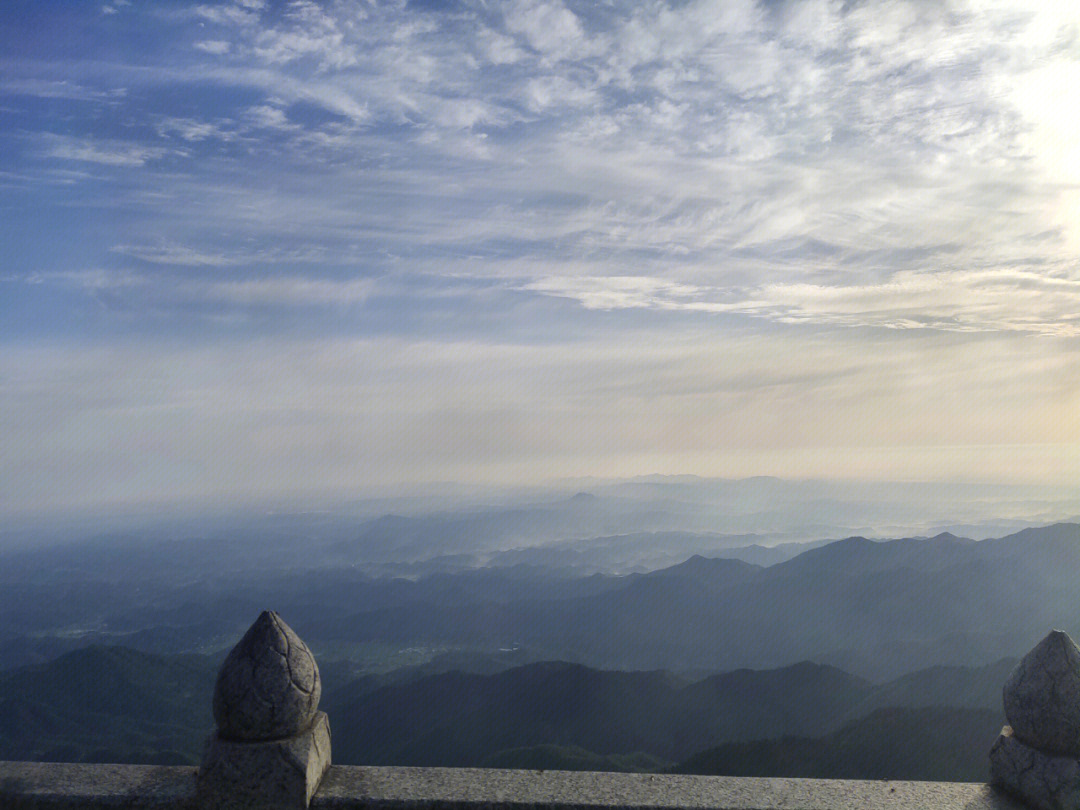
<point x="259" y="248"/>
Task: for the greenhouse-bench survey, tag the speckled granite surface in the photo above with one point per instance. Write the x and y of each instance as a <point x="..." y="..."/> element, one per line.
<point x="46" y="785"/>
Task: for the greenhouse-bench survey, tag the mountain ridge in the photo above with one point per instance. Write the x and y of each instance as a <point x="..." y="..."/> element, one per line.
<point x="142" y="707"/>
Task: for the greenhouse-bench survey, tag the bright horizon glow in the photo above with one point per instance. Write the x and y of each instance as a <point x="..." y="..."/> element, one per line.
<point x="274" y="248"/>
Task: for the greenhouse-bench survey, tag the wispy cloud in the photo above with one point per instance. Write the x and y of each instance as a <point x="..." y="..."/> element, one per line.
<point x="618" y="292"/>
<point x="190" y="129"/>
<point x="214" y="46"/>
<point x="961" y="301"/>
<point x="780" y="145"/>
<point x="106" y="152"/>
<point x="280" y="291"/>
<point x="964" y="301"/>
<point x="185" y="256"/>
<point x="722" y="173"/>
<point x="283" y="291"/>
<point x="59" y="88"/>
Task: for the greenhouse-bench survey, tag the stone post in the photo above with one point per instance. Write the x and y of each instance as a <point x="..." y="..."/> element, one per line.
<point x="1037" y="757"/>
<point x="272" y="745"/>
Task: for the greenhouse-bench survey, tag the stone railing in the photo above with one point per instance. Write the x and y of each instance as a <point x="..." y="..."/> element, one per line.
<point x="271" y="751"/>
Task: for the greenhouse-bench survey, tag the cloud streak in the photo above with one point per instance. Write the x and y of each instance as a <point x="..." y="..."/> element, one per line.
<point x="749" y="184"/>
<point x="105" y="152"/>
<point x="244" y="417"/>
<point x="969" y="301"/>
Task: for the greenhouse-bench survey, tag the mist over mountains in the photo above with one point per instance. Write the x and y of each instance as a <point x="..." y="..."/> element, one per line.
<point x="635" y="577"/>
<point x="437" y="522"/>
<point x="622" y="628"/>
<point x="305" y="302"/>
<point x="875" y="608"/>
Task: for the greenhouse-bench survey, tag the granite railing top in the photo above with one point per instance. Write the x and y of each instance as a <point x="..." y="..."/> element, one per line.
<point x="271" y="751"/>
<point x="63" y="786"/>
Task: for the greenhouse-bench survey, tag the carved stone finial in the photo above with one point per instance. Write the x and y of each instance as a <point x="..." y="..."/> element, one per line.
<point x="269" y="686"/>
<point x="272" y="746"/>
<point x="1037" y="756"/>
<point x="1042" y="696"/>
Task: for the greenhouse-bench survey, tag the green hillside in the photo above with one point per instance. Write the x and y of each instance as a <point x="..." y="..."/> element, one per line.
<point x="927" y="744"/>
<point x="108" y="704"/>
<point x="121" y="705"/>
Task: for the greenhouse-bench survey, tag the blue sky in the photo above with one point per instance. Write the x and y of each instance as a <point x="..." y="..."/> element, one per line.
<point x="256" y="248"/>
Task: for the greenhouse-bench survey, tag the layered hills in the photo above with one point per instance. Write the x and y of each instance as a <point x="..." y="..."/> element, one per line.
<point x="715" y="664"/>
<point x="115" y="704"/>
<point x="874" y="608"/>
<point x="924" y="744"/>
<point x="877" y="609"/>
<point x="107" y="704"/>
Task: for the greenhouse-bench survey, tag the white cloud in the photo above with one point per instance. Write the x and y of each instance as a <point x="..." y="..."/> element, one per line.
<point x="546" y="92"/>
<point x="549" y="27"/>
<point x="268" y="117"/>
<point x="266" y="291"/>
<point x="59" y="88"/>
<point x="813" y="23"/>
<point x="962" y="301"/>
<point x="92" y="280"/>
<point x="497" y="48"/>
<point x="190" y="129"/>
<point x="617" y="292"/>
<point x="175" y="255"/>
<point x="295" y="291"/>
<point x="186" y="256"/>
<point x="906" y="171"/>
<point x="308" y="32"/>
<point x="106" y="152"/>
<point x="214" y="46"/>
<point x="240" y="14"/>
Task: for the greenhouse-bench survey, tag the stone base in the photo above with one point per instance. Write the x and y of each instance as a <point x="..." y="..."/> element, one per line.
<point x="1045" y="781"/>
<point x="274" y="775"/>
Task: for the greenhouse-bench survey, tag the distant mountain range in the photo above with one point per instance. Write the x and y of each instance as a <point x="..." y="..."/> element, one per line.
<point x="877" y="609"/>
<point x="115" y="704"/>
<point x="646" y="551"/>
<point x="436" y="634"/>
<point x="874" y="608"/>
<point x="458" y="719"/>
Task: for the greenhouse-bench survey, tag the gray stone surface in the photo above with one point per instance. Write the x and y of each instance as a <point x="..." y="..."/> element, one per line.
<point x="376" y="788"/>
<point x="1042" y="696"/>
<point x="269" y="686"/>
<point x="66" y="786"/>
<point x="265" y="775"/>
<point x="1038" y="779"/>
<point x="89" y="787"/>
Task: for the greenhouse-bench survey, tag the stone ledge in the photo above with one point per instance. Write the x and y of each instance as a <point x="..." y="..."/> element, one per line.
<point x="26" y="785"/>
<point x="74" y="785"/>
